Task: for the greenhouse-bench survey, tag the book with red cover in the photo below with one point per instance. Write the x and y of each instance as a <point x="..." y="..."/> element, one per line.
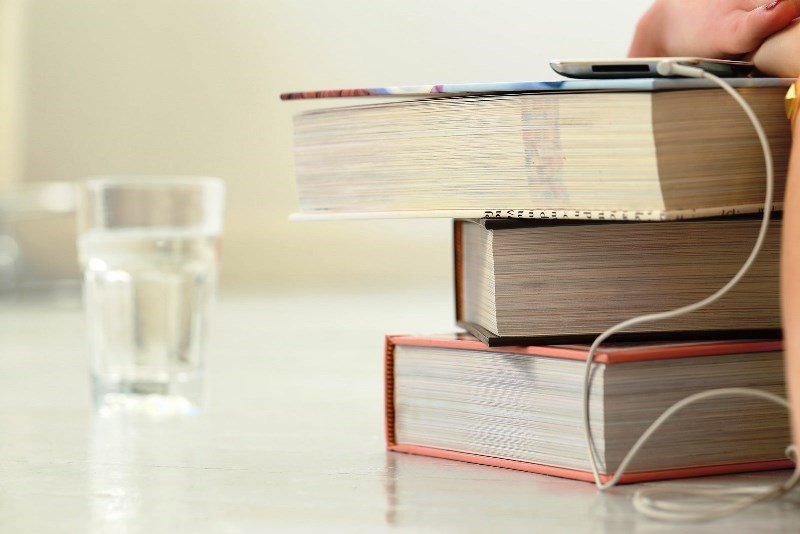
<point x="453" y="397"/>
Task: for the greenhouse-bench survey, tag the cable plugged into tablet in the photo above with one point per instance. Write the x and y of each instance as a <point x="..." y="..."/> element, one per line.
<point x="673" y="68"/>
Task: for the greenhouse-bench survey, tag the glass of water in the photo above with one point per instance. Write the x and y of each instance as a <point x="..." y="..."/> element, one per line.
<point x="149" y="249"/>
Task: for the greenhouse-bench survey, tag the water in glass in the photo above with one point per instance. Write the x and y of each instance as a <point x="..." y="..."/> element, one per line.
<point x="147" y="294"/>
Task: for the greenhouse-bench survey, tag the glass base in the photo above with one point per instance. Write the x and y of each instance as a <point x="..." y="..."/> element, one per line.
<point x="146" y="397"/>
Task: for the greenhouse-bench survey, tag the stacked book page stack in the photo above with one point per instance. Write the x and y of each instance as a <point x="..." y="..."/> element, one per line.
<point x="576" y="205"/>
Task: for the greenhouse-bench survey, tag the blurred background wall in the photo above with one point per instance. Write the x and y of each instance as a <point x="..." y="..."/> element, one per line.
<point x="92" y="87"/>
<point x="11" y="130"/>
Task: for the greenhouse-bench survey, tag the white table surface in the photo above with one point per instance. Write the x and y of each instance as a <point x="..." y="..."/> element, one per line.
<point x="292" y="439"/>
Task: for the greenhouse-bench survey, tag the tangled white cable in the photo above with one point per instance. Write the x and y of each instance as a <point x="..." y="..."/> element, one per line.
<point x="653" y="502"/>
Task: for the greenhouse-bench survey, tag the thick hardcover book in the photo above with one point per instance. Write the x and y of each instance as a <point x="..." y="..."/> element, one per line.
<point x="572" y="150"/>
<point x="520" y="407"/>
<point x="544" y="282"/>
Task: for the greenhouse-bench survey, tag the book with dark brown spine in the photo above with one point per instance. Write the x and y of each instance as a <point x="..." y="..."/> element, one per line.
<point x="539" y="282"/>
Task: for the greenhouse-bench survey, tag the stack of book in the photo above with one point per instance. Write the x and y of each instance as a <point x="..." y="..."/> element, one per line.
<point x="576" y="205"/>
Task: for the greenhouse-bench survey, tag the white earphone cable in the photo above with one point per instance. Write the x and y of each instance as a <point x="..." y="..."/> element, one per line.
<point x="645" y="501"/>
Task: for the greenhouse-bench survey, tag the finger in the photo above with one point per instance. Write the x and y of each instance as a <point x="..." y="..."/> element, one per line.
<point x="763" y="21"/>
<point x="781" y="9"/>
<point x="749" y="5"/>
<point x="746" y="30"/>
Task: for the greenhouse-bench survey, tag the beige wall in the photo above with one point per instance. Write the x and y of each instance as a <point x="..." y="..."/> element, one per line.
<point x="11" y="87"/>
<point x="191" y="87"/>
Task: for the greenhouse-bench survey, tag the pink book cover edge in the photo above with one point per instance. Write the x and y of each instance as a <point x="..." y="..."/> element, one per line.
<point x="610" y="355"/>
<point x="586" y="476"/>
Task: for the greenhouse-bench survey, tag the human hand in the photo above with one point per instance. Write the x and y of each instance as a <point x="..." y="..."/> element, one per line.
<point x="709" y="28"/>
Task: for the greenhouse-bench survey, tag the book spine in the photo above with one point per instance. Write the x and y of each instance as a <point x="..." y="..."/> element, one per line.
<point x="458" y="268"/>
<point x="388" y="375"/>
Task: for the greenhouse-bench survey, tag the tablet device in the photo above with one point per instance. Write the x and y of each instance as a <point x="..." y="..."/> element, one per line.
<point x="646" y="67"/>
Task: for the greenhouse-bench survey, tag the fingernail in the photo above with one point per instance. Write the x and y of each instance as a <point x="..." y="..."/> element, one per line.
<point x="772" y="5"/>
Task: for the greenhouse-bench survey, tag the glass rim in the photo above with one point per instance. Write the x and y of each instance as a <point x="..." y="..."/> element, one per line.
<point x="151" y="180"/>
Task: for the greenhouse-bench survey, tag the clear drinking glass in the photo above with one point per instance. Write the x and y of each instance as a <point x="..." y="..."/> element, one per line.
<point x="149" y="249"/>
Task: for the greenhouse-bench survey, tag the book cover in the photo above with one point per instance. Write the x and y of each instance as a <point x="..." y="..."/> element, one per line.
<point x="487" y="88"/>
